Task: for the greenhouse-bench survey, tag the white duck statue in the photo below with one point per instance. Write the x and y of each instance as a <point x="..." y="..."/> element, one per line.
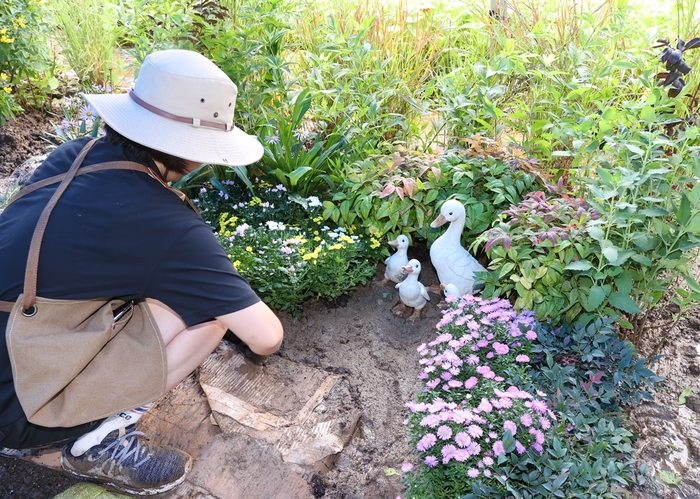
<point x="452" y="262"/>
<point x="396" y="262"/>
<point x="411" y="292"/>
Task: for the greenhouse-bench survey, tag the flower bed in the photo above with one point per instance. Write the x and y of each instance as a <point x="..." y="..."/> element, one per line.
<point x="511" y="408"/>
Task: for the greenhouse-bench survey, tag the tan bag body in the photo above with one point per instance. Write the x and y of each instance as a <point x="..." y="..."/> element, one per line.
<point x="72" y="363"/>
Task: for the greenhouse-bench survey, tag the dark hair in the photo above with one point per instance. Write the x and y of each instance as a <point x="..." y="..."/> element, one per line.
<point x="144" y="154"/>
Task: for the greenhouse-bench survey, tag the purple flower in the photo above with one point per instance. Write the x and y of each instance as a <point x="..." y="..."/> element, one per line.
<point x="433" y="383"/>
<point x="471" y="383"/>
<point x="444" y="432"/>
<point x="544" y="422"/>
<point x="488" y="461"/>
<point x="498" y="448"/>
<point x="426" y="442"/>
<point x="431" y="461"/>
<point x="475" y="431"/>
<point x="454" y="383"/>
<point x="463" y="439"/>
<point x="447" y="452"/>
<point x="473" y="473"/>
<point x="510" y="425"/>
<point x="531" y="335"/>
<point x="522" y="358"/>
<point x="526" y="420"/>
<point x="501" y="348"/>
<point x="406" y="467"/>
<point x="538" y="406"/>
<point x="519" y="448"/>
<point x="460" y="455"/>
<point x="485" y="406"/>
<point x="431" y="420"/>
<point x="472" y="359"/>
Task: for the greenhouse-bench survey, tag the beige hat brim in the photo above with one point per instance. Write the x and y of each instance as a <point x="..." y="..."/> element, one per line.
<point x="199" y="144"/>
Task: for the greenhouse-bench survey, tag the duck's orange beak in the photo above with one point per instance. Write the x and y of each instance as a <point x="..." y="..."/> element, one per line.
<point x="407" y="269"/>
<point x="394" y="243"/>
<point x="440" y="220"/>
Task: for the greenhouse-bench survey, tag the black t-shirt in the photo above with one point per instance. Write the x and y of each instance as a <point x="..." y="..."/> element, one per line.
<point x="113" y="233"/>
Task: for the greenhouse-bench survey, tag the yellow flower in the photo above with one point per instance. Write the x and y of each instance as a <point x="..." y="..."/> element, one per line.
<point x="3" y="76"/>
<point x="236" y="264"/>
<point x="315" y="233"/>
<point x="249" y="249"/>
<point x="318" y="219"/>
<point x="3" y="31"/>
<point x="317" y="238"/>
<point x="373" y="243"/>
<point x="336" y="246"/>
<point x="346" y="239"/>
<point x="8" y="90"/>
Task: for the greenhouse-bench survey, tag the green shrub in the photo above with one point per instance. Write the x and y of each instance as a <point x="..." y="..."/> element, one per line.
<point x="398" y="195"/>
<point x="281" y="245"/>
<point x="294" y="157"/>
<point x="26" y="69"/>
<point x="619" y="251"/>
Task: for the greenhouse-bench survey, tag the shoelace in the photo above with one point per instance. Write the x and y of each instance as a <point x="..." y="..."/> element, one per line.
<point x="124" y="447"/>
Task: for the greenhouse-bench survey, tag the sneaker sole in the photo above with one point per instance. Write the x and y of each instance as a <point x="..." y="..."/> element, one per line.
<point x="122" y="488"/>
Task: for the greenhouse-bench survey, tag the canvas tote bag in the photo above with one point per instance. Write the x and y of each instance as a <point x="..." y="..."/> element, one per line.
<point x="76" y="361"/>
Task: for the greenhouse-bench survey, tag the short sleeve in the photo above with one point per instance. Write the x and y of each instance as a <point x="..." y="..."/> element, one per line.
<point x="196" y="278"/>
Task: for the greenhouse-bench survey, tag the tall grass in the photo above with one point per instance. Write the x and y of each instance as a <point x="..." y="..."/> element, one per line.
<point x="88" y="36"/>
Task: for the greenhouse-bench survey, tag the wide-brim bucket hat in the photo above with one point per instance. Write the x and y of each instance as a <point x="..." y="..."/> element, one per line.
<point x="181" y="104"/>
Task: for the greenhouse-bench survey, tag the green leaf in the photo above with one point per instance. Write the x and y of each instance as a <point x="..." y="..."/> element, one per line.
<point x="669" y="477"/>
<point x="297" y="174"/>
<point x="648" y="114"/>
<point x="624" y="302"/>
<point x="693" y="225"/>
<point x="683" y="213"/>
<point x="654" y="212"/>
<point x="623" y="282"/>
<point x="596" y="233"/>
<point x="610" y="252"/>
<point x="580" y="265"/>
<point x="595" y="297"/>
<point x="684" y="394"/>
<point x="635" y="149"/>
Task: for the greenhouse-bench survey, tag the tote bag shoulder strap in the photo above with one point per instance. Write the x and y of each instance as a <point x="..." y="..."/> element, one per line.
<point x="30" y="276"/>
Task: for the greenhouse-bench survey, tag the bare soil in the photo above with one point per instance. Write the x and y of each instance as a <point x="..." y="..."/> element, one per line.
<point x="360" y="339"/>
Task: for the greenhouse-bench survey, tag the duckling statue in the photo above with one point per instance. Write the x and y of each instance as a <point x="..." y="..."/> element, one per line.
<point x="452" y="262"/>
<point x="412" y="294"/>
<point x="396" y="262"/>
<point x="449" y="291"/>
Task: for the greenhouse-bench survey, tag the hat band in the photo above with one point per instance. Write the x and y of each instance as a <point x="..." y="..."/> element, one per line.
<point x="227" y="127"/>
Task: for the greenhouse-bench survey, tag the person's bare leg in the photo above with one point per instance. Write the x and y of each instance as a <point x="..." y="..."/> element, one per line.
<point x="185" y="347"/>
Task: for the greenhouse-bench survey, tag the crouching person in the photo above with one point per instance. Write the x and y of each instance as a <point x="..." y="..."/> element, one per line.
<point x="97" y="226"/>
